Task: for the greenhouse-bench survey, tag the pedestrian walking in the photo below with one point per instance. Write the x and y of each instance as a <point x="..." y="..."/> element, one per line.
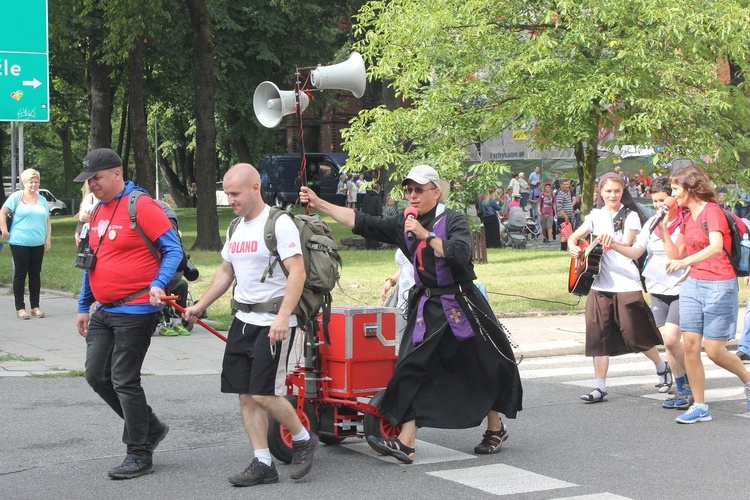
<point x="125" y="280"/>
<point x="261" y="336"/>
<point x="618" y="319"/>
<point x="455" y="365"/>
<point x="709" y="298"/>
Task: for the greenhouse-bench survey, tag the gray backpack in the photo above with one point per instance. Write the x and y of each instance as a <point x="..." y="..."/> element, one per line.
<point x="322" y="263"/>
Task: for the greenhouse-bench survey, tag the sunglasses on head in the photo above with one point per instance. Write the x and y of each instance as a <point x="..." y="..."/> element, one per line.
<point x="417" y="189"/>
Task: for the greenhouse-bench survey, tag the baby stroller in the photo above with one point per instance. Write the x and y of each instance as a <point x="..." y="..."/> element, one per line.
<point x="518" y="228"/>
<point x="171" y="323"/>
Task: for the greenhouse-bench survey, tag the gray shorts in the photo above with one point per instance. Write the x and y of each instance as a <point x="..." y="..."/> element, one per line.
<point x="666" y="309"/>
<point x="547" y="221"/>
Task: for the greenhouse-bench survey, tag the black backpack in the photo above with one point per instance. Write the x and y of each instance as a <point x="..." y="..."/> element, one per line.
<point x="737" y="230"/>
<point x="619" y="223"/>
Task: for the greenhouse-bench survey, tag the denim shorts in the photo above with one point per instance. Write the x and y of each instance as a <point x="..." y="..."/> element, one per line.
<point x="709" y="308"/>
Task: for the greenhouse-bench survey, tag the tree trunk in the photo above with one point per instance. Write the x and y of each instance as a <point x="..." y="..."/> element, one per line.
<point x="586" y="166"/>
<point x="238" y="141"/>
<point x="144" y="174"/>
<point x="100" y="134"/>
<point x="177" y="189"/>
<point x="124" y="124"/>
<point x="125" y="156"/>
<point x="66" y="139"/>
<point x="205" y="134"/>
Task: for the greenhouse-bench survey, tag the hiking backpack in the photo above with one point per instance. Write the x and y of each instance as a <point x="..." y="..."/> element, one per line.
<point x="188" y="269"/>
<point x="321" y="257"/>
<point x="737" y="229"/>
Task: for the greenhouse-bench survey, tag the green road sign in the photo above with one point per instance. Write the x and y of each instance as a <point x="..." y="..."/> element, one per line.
<point x="24" y="61"/>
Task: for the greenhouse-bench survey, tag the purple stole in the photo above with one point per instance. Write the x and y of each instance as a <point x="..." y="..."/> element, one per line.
<point x="455" y="316"/>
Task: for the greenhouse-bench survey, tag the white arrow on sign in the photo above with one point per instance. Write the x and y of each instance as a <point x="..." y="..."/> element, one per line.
<point x="32" y="83"/>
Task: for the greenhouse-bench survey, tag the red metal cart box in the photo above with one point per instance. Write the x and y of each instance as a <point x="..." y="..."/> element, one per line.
<point x="362" y="354"/>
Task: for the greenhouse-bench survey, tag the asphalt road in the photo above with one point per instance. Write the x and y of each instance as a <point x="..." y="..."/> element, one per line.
<point x="58" y="440"/>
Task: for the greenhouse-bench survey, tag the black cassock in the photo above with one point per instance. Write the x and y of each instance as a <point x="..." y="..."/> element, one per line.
<point x="462" y="365"/>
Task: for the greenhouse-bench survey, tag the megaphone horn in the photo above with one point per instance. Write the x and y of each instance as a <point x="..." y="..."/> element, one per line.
<point x="271" y="104"/>
<point x="349" y="75"/>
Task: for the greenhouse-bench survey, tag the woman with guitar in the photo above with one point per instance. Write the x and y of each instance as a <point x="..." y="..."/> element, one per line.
<point x="662" y="239"/>
<point x="618" y="320"/>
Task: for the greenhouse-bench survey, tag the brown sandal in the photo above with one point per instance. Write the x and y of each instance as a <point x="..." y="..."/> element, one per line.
<point x="22" y="314"/>
<point x="37" y="313"/>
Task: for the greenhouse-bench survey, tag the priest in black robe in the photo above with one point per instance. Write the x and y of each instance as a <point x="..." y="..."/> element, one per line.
<point x="455" y="365"/>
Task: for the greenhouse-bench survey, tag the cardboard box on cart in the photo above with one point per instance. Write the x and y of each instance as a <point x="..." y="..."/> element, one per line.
<point x="363" y="350"/>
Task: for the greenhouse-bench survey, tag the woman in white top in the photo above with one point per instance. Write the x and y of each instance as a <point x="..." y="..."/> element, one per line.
<point x="618" y="320"/>
<point x="662" y="243"/>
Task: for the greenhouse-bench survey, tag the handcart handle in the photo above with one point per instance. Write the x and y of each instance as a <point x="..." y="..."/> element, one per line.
<point x="170" y="299"/>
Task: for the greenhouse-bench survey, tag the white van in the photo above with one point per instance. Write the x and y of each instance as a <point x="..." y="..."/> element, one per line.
<point x="56" y="207"/>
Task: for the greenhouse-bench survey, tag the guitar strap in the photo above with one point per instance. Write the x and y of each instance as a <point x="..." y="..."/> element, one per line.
<point x="620" y="216"/>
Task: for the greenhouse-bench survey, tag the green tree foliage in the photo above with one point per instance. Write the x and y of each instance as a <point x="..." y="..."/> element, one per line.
<point x="471" y="68"/>
<point x="92" y="45"/>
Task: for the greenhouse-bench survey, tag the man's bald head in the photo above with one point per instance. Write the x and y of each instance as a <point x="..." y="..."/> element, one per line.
<point x="242" y="186"/>
<point x="244" y="173"/>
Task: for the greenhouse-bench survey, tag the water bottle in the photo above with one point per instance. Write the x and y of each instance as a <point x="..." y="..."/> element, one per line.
<point x="745" y="253"/>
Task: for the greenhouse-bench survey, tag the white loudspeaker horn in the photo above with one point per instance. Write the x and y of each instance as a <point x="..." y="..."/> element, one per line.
<point x="271" y="104"/>
<point x="349" y="75"/>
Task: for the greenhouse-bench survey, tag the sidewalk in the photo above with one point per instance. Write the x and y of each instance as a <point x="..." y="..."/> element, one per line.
<point x="54" y="344"/>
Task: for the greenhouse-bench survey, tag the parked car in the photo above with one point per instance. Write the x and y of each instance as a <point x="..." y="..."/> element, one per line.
<point x="278" y="175"/>
<point x="56" y="207"/>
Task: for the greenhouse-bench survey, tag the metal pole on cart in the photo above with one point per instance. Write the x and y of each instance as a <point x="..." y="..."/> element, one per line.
<point x="312" y="363"/>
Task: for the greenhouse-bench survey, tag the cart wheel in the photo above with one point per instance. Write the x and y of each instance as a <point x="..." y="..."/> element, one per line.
<point x="379" y="427"/>
<point x="279" y="437"/>
<point x="188" y="325"/>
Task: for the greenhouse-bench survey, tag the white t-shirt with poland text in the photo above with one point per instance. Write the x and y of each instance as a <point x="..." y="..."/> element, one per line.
<point x="249" y="256"/>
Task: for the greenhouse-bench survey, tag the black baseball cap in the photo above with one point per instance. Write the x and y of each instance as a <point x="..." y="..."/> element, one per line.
<point x="96" y="161"/>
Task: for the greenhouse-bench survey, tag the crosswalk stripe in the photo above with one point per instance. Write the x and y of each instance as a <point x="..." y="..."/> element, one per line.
<point x="501" y="479"/>
<point x="596" y="496"/>
<point x="427" y="453"/>
<point x="584" y="370"/>
<point x="723" y="394"/>
<point x="644" y="379"/>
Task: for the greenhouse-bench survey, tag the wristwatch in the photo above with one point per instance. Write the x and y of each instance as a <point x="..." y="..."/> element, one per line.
<point x="430" y="236"/>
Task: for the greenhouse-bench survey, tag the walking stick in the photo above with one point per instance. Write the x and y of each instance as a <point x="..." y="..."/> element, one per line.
<point x="170" y="299"/>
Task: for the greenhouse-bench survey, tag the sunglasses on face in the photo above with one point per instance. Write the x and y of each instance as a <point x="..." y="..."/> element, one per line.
<point x="417" y="189"/>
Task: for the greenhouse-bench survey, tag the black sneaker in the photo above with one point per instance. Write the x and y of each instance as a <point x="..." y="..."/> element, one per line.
<point x="302" y="456"/>
<point x="132" y="467"/>
<point x="255" y="473"/>
<point x="744" y="357"/>
<point x="157" y="437"/>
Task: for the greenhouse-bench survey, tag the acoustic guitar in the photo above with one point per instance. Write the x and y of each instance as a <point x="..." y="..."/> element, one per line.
<point x="585" y="268"/>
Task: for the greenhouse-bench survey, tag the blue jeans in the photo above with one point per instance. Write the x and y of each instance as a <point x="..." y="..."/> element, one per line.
<point x="116" y="345"/>
<point x="744" y="344"/>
